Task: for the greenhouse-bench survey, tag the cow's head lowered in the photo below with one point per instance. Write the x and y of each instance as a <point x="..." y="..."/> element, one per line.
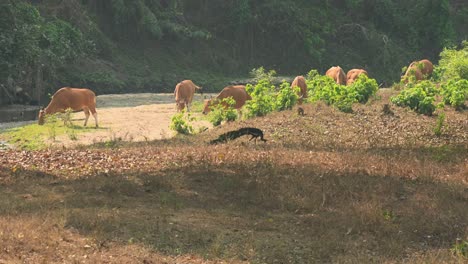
<point x="206" y="106"/>
<point x="41" y="117"/>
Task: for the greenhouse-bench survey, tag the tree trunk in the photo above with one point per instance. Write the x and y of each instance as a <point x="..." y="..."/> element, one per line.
<point x="37" y="83"/>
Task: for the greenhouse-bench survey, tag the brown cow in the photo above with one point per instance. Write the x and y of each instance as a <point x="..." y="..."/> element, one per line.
<point x="300" y="82"/>
<point x="183" y="94"/>
<point x="75" y="98"/>
<point x="353" y="74"/>
<point x="337" y="74"/>
<point x="237" y="92"/>
<point x="419" y="69"/>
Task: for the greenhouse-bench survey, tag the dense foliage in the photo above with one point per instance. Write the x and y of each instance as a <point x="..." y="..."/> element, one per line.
<point x="263" y="99"/>
<point x="453" y="63"/>
<point x="342" y="97"/>
<point x="219" y="112"/>
<point x="31" y="45"/>
<point x="455" y="93"/>
<point x="419" y="97"/>
<point x="452" y="77"/>
<point x="286" y="97"/>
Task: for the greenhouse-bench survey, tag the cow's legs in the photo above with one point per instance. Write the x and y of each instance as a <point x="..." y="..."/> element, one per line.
<point x="86" y="112"/>
<point x="95" y="119"/>
<point x="93" y="111"/>
<point x="188" y="106"/>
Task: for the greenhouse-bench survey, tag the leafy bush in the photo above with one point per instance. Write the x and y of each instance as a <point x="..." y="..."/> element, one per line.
<point x="180" y="123"/>
<point x="340" y="96"/>
<point x="325" y="89"/>
<point x="455" y="93"/>
<point x="286" y="97"/>
<point x="364" y="88"/>
<point x="220" y="113"/>
<point x="419" y="97"/>
<point x="453" y="64"/>
<point x="262" y="101"/>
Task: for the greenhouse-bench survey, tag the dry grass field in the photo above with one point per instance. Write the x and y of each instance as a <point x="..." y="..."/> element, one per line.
<point x="328" y="187"/>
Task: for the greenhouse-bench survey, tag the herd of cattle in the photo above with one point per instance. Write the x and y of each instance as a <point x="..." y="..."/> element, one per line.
<point x="84" y="99"/>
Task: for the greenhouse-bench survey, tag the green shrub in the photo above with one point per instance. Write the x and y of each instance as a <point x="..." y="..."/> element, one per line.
<point x="180" y="123"/>
<point x="320" y="87"/>
<point x="342" y="97"/>
<point x="230" y="114"/>
<point x="262" y="101"/>
<point x="286" y="97"/>
<point x="220" y="113"/>
<point x="326" y="89"/>
<point x="364" y="88"/>
<point x="418" y="97"/>
<point x="439" y="125"/>
<point x="455" y="93"/>
<point x="453" y="64"/>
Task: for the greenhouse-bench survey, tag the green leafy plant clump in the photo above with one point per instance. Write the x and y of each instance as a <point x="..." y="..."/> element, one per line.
<point x="364" y="88"/>
<point x="263" y="99"/>
<point x="286" y="97"/>
<point x="219" y="112"/>
<point x="342" y="97"/>
<point x="455" y="93"/>
<point x="181" y="123"/>
<point x="418" y="97"/>
<point x="453" y="64"/>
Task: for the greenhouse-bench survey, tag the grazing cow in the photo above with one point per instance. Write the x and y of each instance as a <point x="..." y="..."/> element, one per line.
<point x="353" y="74"/>
<point x="419" y="69"/>
<point x="183" y="94"/>
<point x="75" y="98"/>
<point x="337" y="74"/>
<point x="237" y="92"/>
<point x="300" y="82"/>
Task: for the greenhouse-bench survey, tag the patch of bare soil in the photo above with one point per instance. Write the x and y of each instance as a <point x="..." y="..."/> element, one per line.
<point x="128" y="117"/>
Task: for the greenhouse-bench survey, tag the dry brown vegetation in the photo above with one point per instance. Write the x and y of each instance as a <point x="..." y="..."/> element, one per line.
<point x="365" y="187"/>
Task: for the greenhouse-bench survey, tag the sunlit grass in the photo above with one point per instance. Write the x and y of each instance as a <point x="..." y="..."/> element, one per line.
<point x="35" y="137"/>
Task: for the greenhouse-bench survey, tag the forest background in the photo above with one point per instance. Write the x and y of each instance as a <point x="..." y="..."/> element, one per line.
<point x="129" y="46"/>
